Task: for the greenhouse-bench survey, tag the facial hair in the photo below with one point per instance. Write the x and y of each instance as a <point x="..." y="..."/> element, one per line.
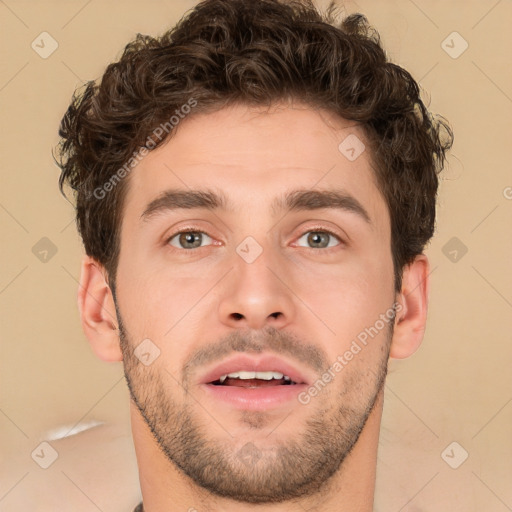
<point x="295" y="468"/>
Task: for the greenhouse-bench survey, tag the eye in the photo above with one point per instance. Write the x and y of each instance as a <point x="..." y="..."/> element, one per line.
<point x="320" y="239"/>
<point x="188" y="239"/>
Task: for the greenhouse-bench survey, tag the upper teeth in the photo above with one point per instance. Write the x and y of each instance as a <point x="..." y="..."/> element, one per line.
<point x="254" y="375"/>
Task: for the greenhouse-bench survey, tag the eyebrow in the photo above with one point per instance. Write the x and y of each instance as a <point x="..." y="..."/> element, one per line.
<point x="295" y="200"/>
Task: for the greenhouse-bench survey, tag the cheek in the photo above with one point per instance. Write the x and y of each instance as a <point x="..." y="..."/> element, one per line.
<point x="349" y="298"/>
<point x="358" y="287"/>
<point x="153" y="292"/>
<point x="156" y="309"/>
<point x="164" y="303"/>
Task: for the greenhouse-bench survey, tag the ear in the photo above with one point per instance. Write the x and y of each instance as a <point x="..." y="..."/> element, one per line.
<point x="411" y="316"/>
<point x="97" y="311"/>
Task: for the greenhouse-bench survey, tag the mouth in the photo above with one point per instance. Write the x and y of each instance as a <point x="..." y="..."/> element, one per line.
<point x="247" y="371"/>
<point x="249" y="383"/>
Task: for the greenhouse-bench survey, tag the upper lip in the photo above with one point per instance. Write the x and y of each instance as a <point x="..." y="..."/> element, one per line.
<point x="264" y="363"/>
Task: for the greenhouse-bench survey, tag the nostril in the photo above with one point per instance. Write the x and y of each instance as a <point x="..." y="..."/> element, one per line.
<point x="237" y="316"/>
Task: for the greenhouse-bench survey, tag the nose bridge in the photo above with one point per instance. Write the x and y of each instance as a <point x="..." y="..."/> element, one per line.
<point x="256" y="295"/>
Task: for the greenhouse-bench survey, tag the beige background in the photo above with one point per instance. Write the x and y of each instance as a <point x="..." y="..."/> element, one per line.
<point x="456" y="388"/>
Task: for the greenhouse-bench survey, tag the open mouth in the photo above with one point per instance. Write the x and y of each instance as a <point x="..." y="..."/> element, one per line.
<point x="251" y="385"/>
<point x="246" y="379"/>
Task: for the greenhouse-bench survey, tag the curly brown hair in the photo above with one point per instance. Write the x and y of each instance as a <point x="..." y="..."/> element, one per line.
<point x="234" y="51"/>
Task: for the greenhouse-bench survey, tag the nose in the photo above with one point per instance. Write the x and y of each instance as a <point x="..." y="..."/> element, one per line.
<point x="258" y="294"/>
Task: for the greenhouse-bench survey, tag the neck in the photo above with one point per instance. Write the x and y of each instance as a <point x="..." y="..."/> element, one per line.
<point x="166" y="489"/>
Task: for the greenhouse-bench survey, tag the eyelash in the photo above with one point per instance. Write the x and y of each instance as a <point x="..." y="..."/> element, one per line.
<point x="317" y="229"/>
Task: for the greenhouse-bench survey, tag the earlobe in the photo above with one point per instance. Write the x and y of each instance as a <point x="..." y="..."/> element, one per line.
<point x="411" y="316"/>
<point x="97" y="311"/>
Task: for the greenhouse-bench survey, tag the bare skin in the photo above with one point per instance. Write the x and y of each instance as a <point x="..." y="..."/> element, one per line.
<point x="305" y="298"/>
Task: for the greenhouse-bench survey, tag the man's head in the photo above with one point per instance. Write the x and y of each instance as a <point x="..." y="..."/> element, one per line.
<point x="280" y="206"/>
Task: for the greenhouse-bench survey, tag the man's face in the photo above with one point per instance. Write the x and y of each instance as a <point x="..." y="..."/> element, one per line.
<point x="254" y="280"/>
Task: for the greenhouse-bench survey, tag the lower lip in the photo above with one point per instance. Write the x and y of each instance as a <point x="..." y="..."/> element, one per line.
<point x="255" y="399"/>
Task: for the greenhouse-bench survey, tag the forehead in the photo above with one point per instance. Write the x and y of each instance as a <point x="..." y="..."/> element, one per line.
<point x="255" y="154"/>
